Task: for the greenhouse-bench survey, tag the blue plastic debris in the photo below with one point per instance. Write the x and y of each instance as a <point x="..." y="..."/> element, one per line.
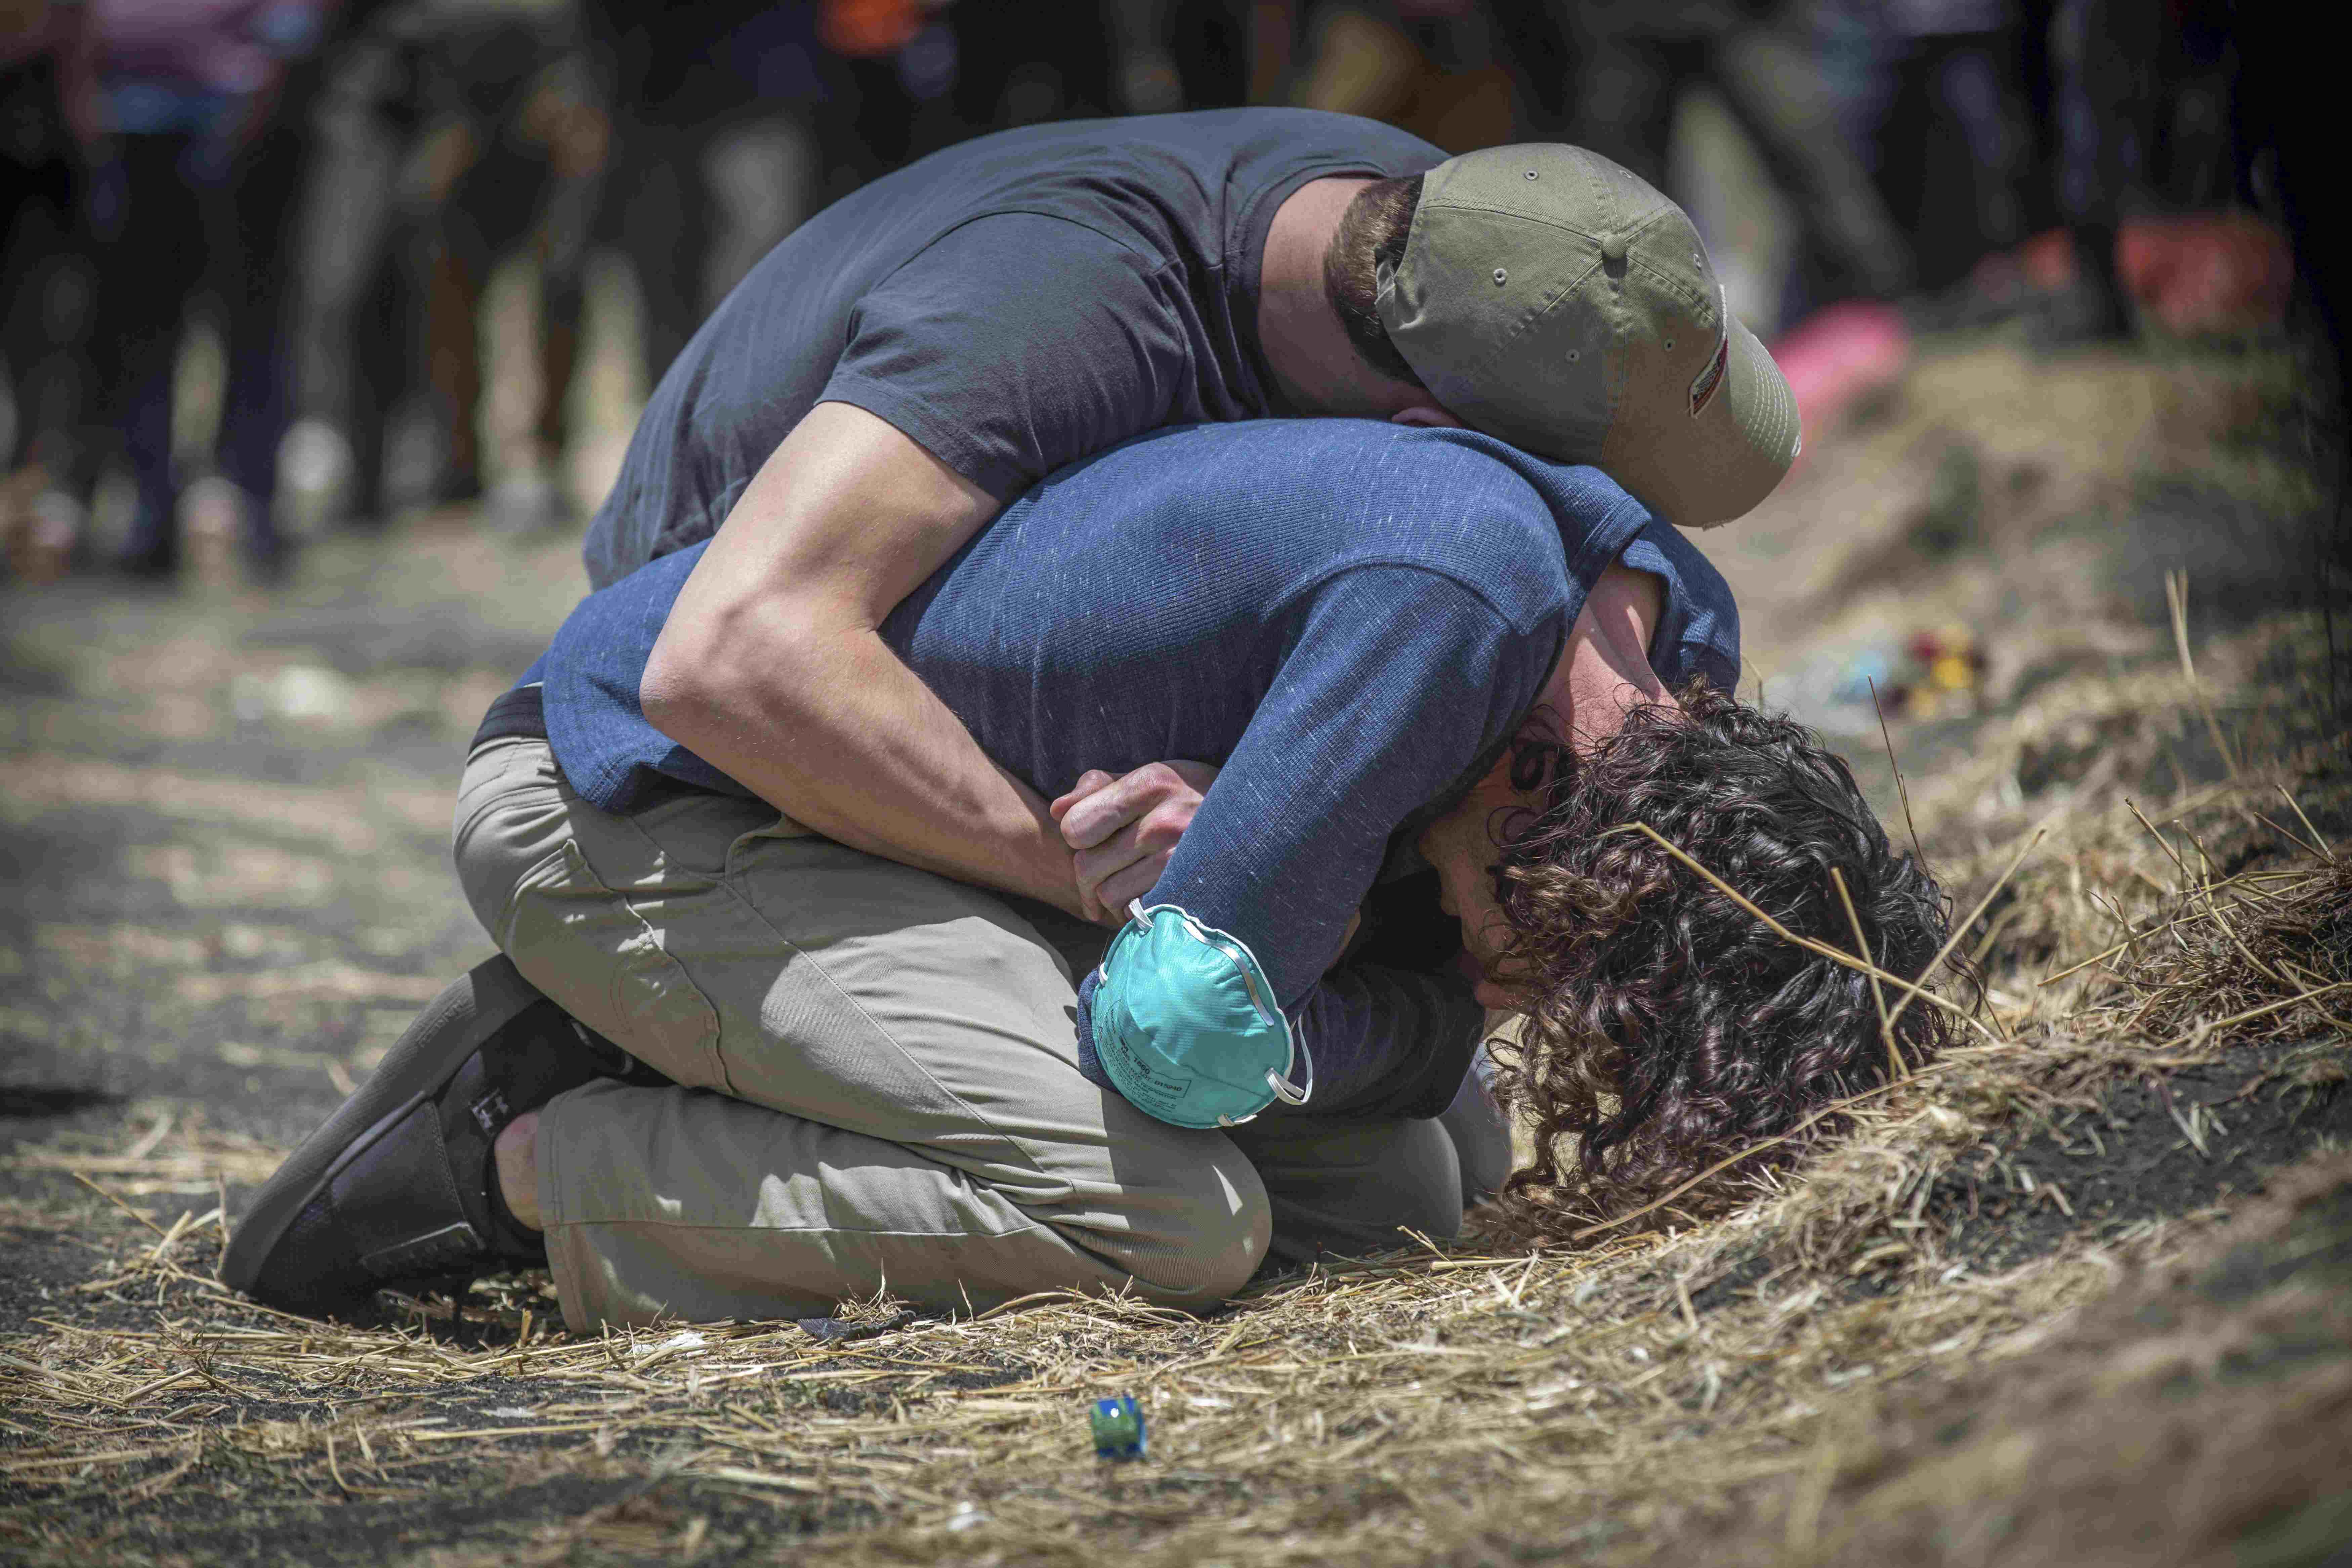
<point x="1119" y="1428"/>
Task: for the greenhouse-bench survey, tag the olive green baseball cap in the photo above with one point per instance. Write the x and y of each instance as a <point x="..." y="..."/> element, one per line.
<point x="1551" y="298"/>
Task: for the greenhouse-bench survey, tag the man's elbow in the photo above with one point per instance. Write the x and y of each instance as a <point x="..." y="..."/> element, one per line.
<point x="691" y="682"/>
<point x="705" y="682"/>
<point x="672" y="690"/>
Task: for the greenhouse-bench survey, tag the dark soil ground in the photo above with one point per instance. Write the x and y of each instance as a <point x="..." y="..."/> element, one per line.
<point x="2091" y="1174"/>
<point x="2088" y="1175"/>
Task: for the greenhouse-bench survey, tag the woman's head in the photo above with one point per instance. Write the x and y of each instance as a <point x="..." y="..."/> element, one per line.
<point x="1666" y="1026"/>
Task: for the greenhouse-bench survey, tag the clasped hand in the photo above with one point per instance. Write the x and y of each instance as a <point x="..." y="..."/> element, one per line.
<point x="1122" y="828"/>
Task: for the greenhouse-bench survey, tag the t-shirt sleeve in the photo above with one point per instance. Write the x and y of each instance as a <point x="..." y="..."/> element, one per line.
<point x="1017" y="344"/>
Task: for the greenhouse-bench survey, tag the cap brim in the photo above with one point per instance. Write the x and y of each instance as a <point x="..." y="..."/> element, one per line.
<point x="1697" y="470"/>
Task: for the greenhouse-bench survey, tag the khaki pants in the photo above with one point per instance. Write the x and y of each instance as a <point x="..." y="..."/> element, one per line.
<point x="878" y="1083"/>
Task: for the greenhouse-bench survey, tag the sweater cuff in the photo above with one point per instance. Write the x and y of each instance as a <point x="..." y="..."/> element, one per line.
<point x="1089" y="1065"/>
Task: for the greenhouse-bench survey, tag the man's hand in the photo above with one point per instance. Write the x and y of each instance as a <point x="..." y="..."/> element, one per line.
<point x="772" y="666"/>
<point x="1125" y="828"/>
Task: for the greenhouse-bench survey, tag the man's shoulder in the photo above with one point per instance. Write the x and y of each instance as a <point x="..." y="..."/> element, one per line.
<point x="1313" y="131"/>
<point x="1218" y="130"/>
<point x="1208" y="153"/>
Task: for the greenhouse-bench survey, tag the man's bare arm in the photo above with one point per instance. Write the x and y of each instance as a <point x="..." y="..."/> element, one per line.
<point x="772" y="668"/>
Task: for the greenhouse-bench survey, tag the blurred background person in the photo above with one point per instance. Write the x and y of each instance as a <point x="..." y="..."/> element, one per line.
<point x="686" y="86"/>
<point x="1173" y="55"/>
<point x="44" y="291"/>
<point x="510" y="156"/>
<point x="348" y="179"/>
<point x="1635" y="60"/>
<point x="190" y="195"/>
<point x="2145" y="120"/>
<point x="1443" y="70"/>
<point x="1021" y="63"/>
<point x="1932" y="101"/>
<point x="460" y="132"/>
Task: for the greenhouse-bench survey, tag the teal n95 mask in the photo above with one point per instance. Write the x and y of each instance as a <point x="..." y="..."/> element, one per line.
<point x="1186" y="1025"/>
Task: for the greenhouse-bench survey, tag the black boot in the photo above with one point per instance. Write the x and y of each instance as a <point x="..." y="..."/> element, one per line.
<point x="399" y="1188"/>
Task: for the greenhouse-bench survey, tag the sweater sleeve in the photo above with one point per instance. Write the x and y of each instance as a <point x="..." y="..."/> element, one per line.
<point x="1399" y="679"/>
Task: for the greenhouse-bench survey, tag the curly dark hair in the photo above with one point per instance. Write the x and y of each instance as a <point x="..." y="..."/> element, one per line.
<point x="1666" y="1026"/>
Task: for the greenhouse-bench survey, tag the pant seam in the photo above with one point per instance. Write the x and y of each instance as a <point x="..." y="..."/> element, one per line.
<point x="726" y="885"/>
<point x="645" y="927"/>
<point x="562" y="1240"/>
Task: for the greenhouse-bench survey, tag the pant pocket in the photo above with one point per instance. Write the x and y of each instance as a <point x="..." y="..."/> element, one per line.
<point x="749" y="843"/>
<point x="509" y="820"/>
<point x="590" y="949"/>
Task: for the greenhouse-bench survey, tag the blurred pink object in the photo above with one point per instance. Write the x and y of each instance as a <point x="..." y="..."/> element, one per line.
<point x="1837" y="353"/>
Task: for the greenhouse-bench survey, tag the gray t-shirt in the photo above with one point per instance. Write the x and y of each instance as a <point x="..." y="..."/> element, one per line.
<point x="1014" y="304"/>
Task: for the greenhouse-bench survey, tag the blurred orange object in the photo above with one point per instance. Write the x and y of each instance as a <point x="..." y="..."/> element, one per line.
<point x="2207" y="271"/>
<point x="2194" y="272"/>
<point x="868" y="29"/>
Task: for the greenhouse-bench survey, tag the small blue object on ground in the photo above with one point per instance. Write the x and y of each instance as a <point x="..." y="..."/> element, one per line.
<point x="1119" y="1428"/>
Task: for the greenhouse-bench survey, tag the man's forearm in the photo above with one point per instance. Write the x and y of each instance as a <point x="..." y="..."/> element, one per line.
<point x="901" y="775"/>
<point x="772" y="666"/>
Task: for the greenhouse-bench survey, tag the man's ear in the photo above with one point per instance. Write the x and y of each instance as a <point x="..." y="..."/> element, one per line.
<point x="1428" y="416"/>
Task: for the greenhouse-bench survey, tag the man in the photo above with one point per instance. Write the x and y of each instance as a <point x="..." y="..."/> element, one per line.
<point x="909" y="359"/>
<point x="1392" y="644"/>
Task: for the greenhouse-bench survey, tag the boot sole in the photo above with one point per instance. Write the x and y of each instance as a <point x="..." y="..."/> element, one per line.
<point x="452" y="1026"/>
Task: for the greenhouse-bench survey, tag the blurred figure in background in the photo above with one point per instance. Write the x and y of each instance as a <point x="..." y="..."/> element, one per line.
<point x="190" y="195"/>
<point x="891" y="72"/>
<point x="2105" y="57"/>
<point x="679" y="81"/>
<point x="511" y="153"/>
<point x="357" y="323"/>
<point x="1918" y="144"/>
<point x="1019" y="62"/>
<point x="1635" y="57"/>
<point x="46" y="463"/>
<point x="1174" y="55"/>
<point x="458" y="133"/>
<point x="2289" y="141"/>
<point x="1933" y="104"/>
<point x="2144" y="123"/>
<point x="1460" y="73"/>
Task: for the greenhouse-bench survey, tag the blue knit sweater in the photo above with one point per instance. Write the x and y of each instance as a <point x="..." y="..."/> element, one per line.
<point x="1351" y="619"/>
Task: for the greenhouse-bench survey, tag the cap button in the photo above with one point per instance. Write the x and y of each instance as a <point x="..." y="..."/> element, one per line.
<point x="1612" y="247"/>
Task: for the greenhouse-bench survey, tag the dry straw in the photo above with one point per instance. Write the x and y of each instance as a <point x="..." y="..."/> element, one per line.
<point x="1437" y="1402"/>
